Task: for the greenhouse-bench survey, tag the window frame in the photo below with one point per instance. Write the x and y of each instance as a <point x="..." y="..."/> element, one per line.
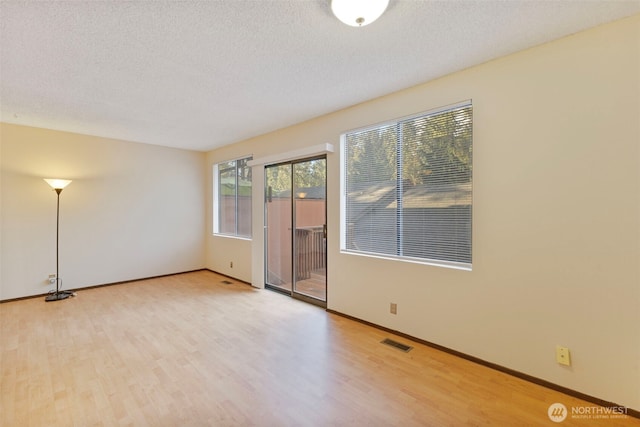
<point x="217" y="204"/>
<point x="343" y="192"/>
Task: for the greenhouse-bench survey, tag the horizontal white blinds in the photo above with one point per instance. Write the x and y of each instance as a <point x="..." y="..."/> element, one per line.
<point x="408" y="188"/>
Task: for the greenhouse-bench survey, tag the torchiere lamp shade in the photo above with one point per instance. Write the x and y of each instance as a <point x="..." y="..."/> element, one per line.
<point x="57" y="184"/>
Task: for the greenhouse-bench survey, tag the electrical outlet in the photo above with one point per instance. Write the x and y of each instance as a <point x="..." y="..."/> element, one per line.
<point x="52" y="279"/>
<point x="562" y="355"/>
<point x="231" y="264"/>
<point x="393" y="308"/>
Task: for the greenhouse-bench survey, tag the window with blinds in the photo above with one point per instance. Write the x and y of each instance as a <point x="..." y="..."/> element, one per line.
<point x="232" y="210"/>
<point x="407" y="188"/>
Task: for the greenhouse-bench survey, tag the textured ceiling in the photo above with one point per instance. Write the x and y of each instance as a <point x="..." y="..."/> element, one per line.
<point x="202" y="74"/>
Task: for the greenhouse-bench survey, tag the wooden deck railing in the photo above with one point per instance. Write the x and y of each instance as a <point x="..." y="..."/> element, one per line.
<point x="310" y="251"/>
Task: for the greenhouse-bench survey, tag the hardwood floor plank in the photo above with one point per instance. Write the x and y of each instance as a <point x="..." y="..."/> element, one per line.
<point x="188" y="350"/>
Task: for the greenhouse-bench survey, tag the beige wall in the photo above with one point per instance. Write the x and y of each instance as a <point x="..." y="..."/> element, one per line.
<point x="556" y="226"/>
<point x="132" y="210"/>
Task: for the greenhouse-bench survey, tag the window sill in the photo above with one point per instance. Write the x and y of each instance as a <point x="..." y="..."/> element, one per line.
<point x="446" y="264"/>
<point x="231" y="236"/>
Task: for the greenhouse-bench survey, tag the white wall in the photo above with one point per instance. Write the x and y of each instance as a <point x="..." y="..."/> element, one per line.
<point x="132" y="210"/>
<point x="556" y="216"/>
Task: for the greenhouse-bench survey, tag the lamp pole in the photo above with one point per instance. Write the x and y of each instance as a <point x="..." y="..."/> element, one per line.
<point x="58" y="191"/>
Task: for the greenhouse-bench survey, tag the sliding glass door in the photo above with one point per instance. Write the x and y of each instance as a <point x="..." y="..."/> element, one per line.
<point x="278" y="220"/>
<point x="296" y="230"/>
<point x="310" y="229"/>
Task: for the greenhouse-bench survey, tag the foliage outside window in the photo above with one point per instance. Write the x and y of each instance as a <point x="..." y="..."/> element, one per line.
<point x="233" y="198"/>
<point x="407" y="188"/>
<point x="308" y="174"/>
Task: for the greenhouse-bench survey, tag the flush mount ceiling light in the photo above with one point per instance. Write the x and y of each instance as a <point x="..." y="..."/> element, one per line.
<point x="358" y="13"/>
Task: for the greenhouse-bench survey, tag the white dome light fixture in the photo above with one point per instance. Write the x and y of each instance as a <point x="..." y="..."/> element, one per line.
<point x="358" y="13"/>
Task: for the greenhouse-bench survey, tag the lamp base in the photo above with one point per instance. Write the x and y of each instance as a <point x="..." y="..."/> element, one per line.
<point x="57" y="296"/>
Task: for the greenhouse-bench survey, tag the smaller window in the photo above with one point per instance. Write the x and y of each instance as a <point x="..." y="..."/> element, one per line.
<point x="232" y="198"/>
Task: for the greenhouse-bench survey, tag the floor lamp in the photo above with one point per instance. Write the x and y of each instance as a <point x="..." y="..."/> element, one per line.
<point x="58" y="185"/>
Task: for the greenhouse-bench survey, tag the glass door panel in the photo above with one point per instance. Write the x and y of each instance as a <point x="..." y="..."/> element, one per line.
<point x="278" y="220"/>
<point x="310" y="242"/>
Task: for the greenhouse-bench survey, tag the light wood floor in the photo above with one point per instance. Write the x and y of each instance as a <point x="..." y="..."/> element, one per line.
<point x="187" y="350"/>
<point x="314" y="287"/>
